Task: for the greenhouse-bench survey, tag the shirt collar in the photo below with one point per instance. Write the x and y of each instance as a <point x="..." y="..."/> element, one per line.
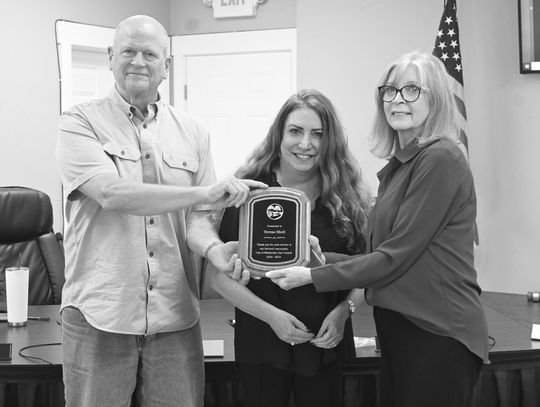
<point x="410" y="151"/>
<point x="404" y="155"/>
<point x="152" y="111"/>
<point x="126" y="107"/>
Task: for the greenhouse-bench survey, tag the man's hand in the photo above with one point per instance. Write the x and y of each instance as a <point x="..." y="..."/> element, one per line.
<point x="232" y="191"/>
<point x="289" y="329"/>
<point x="290" y="277"/>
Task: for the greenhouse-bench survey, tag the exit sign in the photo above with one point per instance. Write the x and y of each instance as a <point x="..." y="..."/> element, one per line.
<point x="234" y="8"/>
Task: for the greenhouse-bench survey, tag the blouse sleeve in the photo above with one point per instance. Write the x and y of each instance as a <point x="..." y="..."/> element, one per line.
<point x="437" y="182"/>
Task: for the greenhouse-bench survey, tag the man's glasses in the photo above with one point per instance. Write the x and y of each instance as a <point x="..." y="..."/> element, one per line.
<point x="409" y="93"/>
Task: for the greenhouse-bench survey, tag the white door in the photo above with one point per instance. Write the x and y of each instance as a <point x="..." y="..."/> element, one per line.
<point x="235" y="83"/>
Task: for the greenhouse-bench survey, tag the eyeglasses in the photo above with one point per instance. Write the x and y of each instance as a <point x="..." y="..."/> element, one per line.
<point x="409" y="93"/>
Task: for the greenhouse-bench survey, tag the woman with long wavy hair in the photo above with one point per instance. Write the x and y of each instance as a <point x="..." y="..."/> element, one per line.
<point x="296" y="342"/>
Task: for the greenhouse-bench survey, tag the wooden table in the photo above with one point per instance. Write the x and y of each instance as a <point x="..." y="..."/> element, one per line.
<point x="512" y="379"/>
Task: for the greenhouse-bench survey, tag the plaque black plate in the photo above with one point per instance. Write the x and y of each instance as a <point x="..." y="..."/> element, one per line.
<point x="274" y="230"/>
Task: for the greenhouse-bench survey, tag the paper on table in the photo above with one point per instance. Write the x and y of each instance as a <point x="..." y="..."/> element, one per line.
<point x="213" y="348"/>
<point x="360" y="342"/>
<point x="535" y="334"/>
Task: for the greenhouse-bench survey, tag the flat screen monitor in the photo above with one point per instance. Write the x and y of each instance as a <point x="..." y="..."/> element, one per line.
<point x="529" y="36"/>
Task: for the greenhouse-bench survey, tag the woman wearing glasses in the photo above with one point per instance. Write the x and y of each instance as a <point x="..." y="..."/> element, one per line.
<point x="419" y="271"/>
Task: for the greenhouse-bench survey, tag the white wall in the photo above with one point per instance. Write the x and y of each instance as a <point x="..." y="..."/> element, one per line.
<point x="192" y="17"/>
<point x="503" y="108"/>
<point x="343" y="46"/>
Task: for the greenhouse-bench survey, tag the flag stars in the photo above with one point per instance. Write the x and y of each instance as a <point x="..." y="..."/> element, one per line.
<point x="446" y="46"/>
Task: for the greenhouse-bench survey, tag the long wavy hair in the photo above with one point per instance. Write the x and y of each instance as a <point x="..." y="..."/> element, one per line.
<point x="441" y="120"/>
<point x="343" y="192"/>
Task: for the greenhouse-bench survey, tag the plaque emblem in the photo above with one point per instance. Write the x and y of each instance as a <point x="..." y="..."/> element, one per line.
<point x="274" y="211"/>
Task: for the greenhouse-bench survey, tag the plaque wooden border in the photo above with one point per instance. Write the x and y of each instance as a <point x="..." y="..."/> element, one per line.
<point x="247" y="245"/>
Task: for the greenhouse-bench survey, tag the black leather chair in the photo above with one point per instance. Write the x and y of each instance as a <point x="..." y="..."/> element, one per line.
<point x="26" y="231"/>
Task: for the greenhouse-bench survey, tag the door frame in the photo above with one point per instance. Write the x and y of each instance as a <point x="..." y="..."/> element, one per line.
<point x="242" y="42"/>
<point x="68" y="35"/>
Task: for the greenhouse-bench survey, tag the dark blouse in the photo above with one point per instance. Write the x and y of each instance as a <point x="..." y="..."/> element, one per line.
<point x="420" y="259"/>
<point x="255" y="341"/>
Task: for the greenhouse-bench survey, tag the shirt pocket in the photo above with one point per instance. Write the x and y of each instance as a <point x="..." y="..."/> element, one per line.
<point x="127" y="160"/>
<point x="179" y="169"/>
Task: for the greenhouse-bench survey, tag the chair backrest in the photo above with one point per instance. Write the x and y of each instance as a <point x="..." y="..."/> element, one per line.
<point x="26" y="231"/>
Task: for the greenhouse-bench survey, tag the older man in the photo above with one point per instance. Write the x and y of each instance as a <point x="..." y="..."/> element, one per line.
<point x="135" y="173"/>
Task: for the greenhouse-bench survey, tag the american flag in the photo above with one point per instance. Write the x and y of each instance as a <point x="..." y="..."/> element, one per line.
<point x="447" y="50"/>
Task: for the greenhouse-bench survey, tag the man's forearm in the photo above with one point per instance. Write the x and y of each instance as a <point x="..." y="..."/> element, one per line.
<point x="202" y="230"/>
<point x="115" y="194"/>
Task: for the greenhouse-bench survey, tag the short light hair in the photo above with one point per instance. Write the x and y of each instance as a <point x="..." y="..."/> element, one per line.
<point x="137" y="21"/>
<point x="441" y="120"/>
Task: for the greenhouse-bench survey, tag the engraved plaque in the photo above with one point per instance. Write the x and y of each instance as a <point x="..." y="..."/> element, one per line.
<point x="274" y="229"/>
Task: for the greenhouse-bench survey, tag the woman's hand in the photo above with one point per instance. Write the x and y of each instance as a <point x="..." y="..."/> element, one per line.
<point x="223" y="256"/>
<point x="289" y="329"/>
<point x="290" y="277"/>
<point x="242" y="276"/>
<point x="332" y="328"/>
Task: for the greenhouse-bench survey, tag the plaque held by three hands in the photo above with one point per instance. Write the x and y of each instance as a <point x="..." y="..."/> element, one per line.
<point x="275" y="224"/>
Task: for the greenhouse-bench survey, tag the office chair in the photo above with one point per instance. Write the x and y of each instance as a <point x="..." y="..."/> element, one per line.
<point x="26" y="232"/>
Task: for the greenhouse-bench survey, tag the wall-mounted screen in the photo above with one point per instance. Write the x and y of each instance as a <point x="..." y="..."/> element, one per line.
<point x="529" y="36"/>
